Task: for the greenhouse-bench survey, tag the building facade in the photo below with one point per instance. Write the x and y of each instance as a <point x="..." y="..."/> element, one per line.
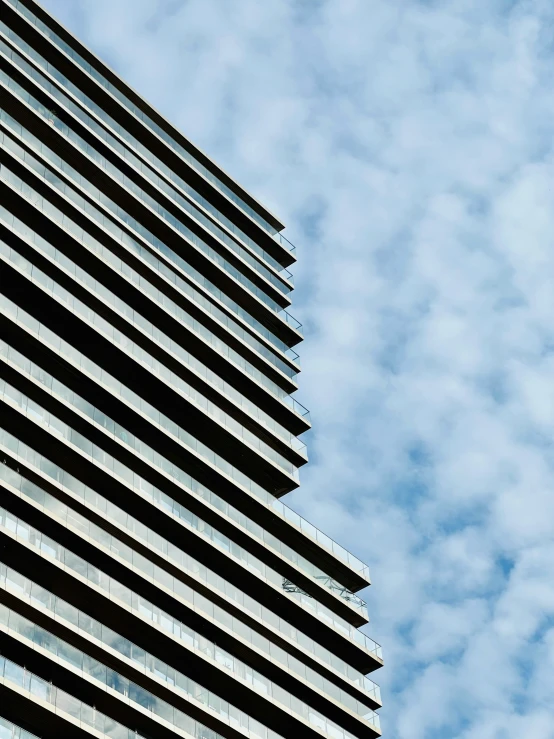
<point x="152" y="582"/>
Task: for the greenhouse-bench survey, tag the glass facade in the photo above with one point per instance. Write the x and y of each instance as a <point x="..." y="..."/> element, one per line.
<point x="152" y="581"/>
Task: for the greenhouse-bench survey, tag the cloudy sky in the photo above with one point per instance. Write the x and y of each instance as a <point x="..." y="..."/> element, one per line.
<point x="408" y="146"/>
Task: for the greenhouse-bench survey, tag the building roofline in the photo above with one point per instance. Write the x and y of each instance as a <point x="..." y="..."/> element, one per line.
<point x="152" y="112"/>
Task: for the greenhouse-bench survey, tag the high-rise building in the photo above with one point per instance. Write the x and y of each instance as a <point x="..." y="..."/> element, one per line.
<point x="152" y="582"/>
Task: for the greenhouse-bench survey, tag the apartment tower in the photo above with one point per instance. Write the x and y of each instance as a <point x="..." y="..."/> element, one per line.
<point x="152" y="582"/>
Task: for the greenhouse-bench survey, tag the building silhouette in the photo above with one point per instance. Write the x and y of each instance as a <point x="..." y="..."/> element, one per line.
<point x="152" y="582"/>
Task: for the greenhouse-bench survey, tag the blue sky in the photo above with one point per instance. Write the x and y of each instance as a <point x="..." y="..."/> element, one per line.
<point x="408" y="146"/>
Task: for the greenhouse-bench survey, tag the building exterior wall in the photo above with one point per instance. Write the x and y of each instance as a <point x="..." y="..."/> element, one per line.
<point x="152" y="581"/>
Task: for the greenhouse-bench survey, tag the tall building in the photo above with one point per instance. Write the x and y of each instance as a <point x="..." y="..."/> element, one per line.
<point x="152" y="582"/>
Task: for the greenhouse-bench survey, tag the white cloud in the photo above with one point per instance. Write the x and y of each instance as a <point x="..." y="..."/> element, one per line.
<point x="409" y="147"/>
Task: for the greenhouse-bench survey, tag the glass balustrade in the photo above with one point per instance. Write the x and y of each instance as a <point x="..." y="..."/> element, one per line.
<point x="11" y="731"/>
<point x="58" y="610"/>
<point x="150" y="257"/>
<point x="22" y="530"/>
<point x="184" y="153"/>
<point x="138" y="484"/>
<point x="86" y="365"/>
<point x="94" y="246"/>
<point x="176" y="381"/>
<point x="66" y="396"/>
<point x="64" y="703"/>
<point x="163" y="301"/>
<point x="195" y="204"/>
<point x="105" y="329"/>
<point x="119" y="215"/>
<point x="177" y="224"/>
<point x="149" y="172"/>
<point x="93" y="500"/>
<point x="98" y="673"/>
<point x="173" y="348"/>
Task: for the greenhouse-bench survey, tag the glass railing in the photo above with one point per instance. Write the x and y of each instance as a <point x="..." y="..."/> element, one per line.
<point x="165" y="467"/>
<point x="175" y="381"/>
<point x="151" y="202"/>
<point x="322" y="539"/>
<point x="173" y="348"/>
<point x="11" y="731"/>
<point x="66" y="396"/>
<point x="227" y="592"/>
<point x="76" y="490"/>
<point x="284" y="242"/>
<point x="98" y="673"/>
<point x="158" y="244"/>
<point x="86" y="365"/>
<point x="131" y="158"/>
<point x="152" y="365"/>
<point x="58" y="610"/>
<point x="161" y="299"/>
<point x="130" y="243"/>
<point x="65" y="704"/>
<point x="158" y="163"/>
<point x="37" y="596"/>
<point x="138" y="485"/>
<point x="22" y="530"/>
<point x="129" y="396"/>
